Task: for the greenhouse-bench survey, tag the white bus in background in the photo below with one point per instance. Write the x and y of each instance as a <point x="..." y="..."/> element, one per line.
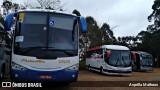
<point x="109" y="59"/>
<point x="45" y="45"/>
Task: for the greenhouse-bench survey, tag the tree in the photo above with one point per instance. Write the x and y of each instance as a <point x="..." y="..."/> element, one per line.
<point x="94" y="34"/>
<point x="119" y="39"/>
<point x="107" y="34"/>
<point x="7" y="5"/>
<point x="153" y="31"/>
<point x="44" y="4"/>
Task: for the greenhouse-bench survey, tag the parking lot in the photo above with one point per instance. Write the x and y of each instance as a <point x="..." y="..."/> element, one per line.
<point x="85" y="75"/>
<point x="90" y="80"/>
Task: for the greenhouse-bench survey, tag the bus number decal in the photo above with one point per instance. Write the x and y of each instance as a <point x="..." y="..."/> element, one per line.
<point x="64" y="61"/>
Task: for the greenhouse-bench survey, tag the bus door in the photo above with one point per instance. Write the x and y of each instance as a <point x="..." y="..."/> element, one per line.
<point x="138" y="61"/>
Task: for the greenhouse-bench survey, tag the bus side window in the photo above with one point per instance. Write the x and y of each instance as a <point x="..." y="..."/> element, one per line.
<point x="97" y="53"/>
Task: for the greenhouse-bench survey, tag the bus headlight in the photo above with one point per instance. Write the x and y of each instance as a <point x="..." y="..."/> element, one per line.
<point x="74" y="67"/>
<point x="18" y="67"/>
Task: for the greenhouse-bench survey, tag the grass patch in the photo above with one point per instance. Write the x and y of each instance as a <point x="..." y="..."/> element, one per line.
<point x="82" y="65"/>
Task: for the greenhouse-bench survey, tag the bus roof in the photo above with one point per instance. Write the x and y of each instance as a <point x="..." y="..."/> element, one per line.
<point x="46" y="10"/>
<point x="112" y="47"/>
<point x="115" y="47"/>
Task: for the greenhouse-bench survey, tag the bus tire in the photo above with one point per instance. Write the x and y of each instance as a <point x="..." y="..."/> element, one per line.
<point x="134" y="68"/>
<point x="2" y="72"/>
<point x="89" y="67"/>
<point x="101" y="70"/>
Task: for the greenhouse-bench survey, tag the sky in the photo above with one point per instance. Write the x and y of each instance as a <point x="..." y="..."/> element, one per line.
<point x="125" y="17"/>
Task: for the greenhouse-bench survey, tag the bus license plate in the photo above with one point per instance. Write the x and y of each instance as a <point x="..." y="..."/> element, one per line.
<point x="45" y="76"/>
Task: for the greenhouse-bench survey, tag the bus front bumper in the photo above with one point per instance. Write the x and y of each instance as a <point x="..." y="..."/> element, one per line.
<point x="33" y="75"/>
<point x="146" y="69"/>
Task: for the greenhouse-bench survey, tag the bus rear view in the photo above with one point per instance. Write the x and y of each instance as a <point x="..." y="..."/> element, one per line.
<point x="45" y="46"/>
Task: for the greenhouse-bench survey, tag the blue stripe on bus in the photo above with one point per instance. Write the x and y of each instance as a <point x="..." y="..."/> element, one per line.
<point x="33" y="75"/>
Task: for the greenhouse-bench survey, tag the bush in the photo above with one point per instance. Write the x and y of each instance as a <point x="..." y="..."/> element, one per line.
<point x="82" y="65"/>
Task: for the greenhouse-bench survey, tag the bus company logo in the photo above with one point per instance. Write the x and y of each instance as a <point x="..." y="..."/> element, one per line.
<point x="6" y="84"/>
<point x="34" y="61"/>
<point x="13" y="84"/>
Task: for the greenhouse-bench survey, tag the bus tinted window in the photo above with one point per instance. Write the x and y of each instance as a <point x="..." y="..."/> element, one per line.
<point x="120" y="58"/>
<point x="95" y="53"/>
<point x="114" y="58"/>
<point x="34" y="18"/>
<point x="61" y="32"/>
<point x="62" y="22"/>
<point x="31" y="32"/>
<point x="45" y="32"/>
<point x="146" y="60"/>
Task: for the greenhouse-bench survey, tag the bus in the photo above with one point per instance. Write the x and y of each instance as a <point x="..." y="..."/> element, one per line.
<point x="4" y="50"/>
<point x="109" y="59"/>
<point x="45" y="45"/>
<point x="142" y="61"/>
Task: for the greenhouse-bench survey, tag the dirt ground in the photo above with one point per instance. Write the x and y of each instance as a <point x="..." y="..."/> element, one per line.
<point x="85" y="75"/>
<point x="118" y="82"/>
<point x="89" y="80"/>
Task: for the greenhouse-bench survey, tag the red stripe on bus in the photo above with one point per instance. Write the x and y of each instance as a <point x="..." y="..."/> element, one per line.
<point x="94" y="48"/>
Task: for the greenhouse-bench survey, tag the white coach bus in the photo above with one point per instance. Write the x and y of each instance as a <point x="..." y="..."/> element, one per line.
<point x="109" y="59"/>
<point x="45" y="45"/>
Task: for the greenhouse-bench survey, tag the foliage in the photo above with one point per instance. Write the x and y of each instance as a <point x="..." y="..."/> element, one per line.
<point x="76" y="12"/>
<point x="150" y="39"/>
<point x="44" y="4"/>
<point x="82" y="65"/>
<point x="108" y="36"/>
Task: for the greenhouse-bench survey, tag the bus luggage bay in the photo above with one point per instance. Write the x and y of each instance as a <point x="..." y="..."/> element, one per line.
<point x="45" y="45"/>
<point x="109" y="59"/>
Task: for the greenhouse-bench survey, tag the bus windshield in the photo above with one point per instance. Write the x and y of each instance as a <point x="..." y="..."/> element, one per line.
<point x="146" y="60"/>
<point x="46" y="33"/>
<point x="119" y="58"/>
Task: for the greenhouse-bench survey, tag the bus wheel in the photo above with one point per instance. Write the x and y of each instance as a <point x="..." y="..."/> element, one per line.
<point x="101" y="70"/>
<point x="89" y="67"/>
<point x="134" y="68"/>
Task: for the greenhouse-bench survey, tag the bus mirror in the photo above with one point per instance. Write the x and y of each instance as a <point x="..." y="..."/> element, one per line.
<point x="8" y="21"/>
<point x="83" y="24"/>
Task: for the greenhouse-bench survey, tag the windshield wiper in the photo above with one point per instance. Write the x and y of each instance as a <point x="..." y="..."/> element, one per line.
<point x="33" y="48"/>
<point x="124" y="61"/>
<point x="68" y="52"/>
<point x="117" y="61"/>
